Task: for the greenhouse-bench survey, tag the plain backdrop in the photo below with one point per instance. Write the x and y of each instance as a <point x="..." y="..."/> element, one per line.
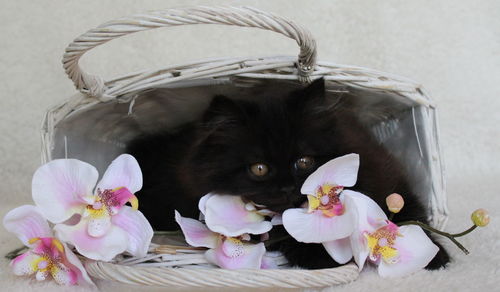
<point x="452" y="47"/>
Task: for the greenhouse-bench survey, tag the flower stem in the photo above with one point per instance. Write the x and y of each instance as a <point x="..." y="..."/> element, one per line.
<point x="16" y="252"/>
<point x="465" y="232"/>
<point x="446" y="234"/>
<point x="391" y="216"/>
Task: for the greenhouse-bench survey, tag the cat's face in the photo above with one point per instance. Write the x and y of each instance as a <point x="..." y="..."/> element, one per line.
<point x="264" y="150"/>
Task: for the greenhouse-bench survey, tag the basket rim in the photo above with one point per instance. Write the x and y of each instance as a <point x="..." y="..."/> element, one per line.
<point x="263" y="67"/>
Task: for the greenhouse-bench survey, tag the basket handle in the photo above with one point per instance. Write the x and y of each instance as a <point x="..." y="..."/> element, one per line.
<point x="239" y="16"/>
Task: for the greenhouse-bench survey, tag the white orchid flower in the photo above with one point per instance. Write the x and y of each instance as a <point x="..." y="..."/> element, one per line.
<point x="330" y="216"/>
<point x="231" y="216"/>
<point x="398" y="251"/>
<point x="47" y="256"/>
<point x="107" y="227"/>
<point x="229" y="252"/>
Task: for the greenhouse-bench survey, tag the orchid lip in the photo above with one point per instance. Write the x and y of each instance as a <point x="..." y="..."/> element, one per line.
<point x="111" y="200"/>
<point x="326" y="200"/>
<point x="43" y="263"/>
<point x="232" y="247"/>
<point x="381" y="243"/>
<point x="107" y="203"/>
<point x="47" y="257"/>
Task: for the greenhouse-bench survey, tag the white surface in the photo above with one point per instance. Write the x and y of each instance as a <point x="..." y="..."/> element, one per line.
<point x="452" y="47"/>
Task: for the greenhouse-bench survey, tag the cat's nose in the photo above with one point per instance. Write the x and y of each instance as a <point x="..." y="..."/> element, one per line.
<point x="287" y="189"/>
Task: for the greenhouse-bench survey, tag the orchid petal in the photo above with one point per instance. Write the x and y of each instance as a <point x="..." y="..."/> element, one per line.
<point x="137" y="228"/>
<point x="277" y="220"/>
<point x="250" y="257"/>
<point x="59" y="188"/>
<point x="370" y="214"/>
<point x="415" y="250"/>
<point x="196" y="233"/>
<point x="340" y="250"/>
<point x="203" y="201"/>
<point x="315" y="227"/>
<point x="63" y="276"/>
<point x="26" y="222"/>
<point x="124" y="171"/>
<point x="359" y="248"/>
<point x="227" y="215"/>
<point x="103" y="248"/>
<point x="268" y="262"/>
<point x="74" y="264"/>
<point x="368" y="217"/>
<point x="340" y="171"/>
<point x="25" y="264"/>
<point x="263" y="212"/>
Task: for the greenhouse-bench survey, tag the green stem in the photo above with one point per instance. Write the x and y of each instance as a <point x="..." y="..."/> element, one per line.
<point x="465" y="232"/>
<point x="446" y="234"/>
<point x="391" y="216"/>
<point x="16" y="252"/>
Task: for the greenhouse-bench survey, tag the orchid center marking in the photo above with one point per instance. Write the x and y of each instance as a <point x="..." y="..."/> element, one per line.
<point x="327" y="200"/>
<point x="43" y="264"/>
<point x="233" y="246"/>
<point x="109" y="201"/>
<point x="49" y="251"/>
<point x="97" y="205"/>
<point x="381" y="243"/>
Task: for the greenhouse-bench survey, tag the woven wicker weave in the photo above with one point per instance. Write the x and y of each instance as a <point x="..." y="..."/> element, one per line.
<point x="95" y="91"/>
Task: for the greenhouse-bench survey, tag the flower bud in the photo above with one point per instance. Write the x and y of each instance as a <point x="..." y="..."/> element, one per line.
<point x="480" y="217"/>
<point x="395" y="202"/>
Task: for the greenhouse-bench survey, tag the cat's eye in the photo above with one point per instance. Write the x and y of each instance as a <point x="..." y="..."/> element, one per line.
<point x="304" y="163"/>
<point x="259" y="169"/>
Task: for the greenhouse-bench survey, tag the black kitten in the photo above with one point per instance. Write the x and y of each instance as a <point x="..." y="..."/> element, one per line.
<point x="263" y="149"/>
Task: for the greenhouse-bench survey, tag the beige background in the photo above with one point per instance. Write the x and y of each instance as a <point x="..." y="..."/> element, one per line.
<point x="452" y="47"/>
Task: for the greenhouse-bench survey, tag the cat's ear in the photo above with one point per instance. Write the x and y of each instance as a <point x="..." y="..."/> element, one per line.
<point x="222" y="109"/>
<point x="315" y="90"/>
<point x="311" y="96"/>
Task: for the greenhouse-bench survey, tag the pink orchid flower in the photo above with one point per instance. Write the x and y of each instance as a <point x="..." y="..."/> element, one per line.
<point x="47" y="255"/>
<point x="398" y="251"/>
<point x="231" y="216"/>
<point x="224" y="251"/>
<point x="107" y="227"/>
<point x="331" y="214"/>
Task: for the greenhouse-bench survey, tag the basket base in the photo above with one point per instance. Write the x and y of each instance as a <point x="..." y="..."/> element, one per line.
<point x="203" y="278"/>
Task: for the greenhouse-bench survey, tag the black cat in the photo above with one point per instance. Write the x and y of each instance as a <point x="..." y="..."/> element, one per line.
<point x="263" y="149"/>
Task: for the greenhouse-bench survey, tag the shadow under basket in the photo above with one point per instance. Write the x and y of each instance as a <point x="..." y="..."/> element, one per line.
<point x="96" y="124"/>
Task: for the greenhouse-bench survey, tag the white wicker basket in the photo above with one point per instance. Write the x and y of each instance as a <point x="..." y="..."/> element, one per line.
<point x="81" y="111"/>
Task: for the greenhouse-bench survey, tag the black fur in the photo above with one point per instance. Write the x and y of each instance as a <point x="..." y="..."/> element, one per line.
<point x="214" y="154"/>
